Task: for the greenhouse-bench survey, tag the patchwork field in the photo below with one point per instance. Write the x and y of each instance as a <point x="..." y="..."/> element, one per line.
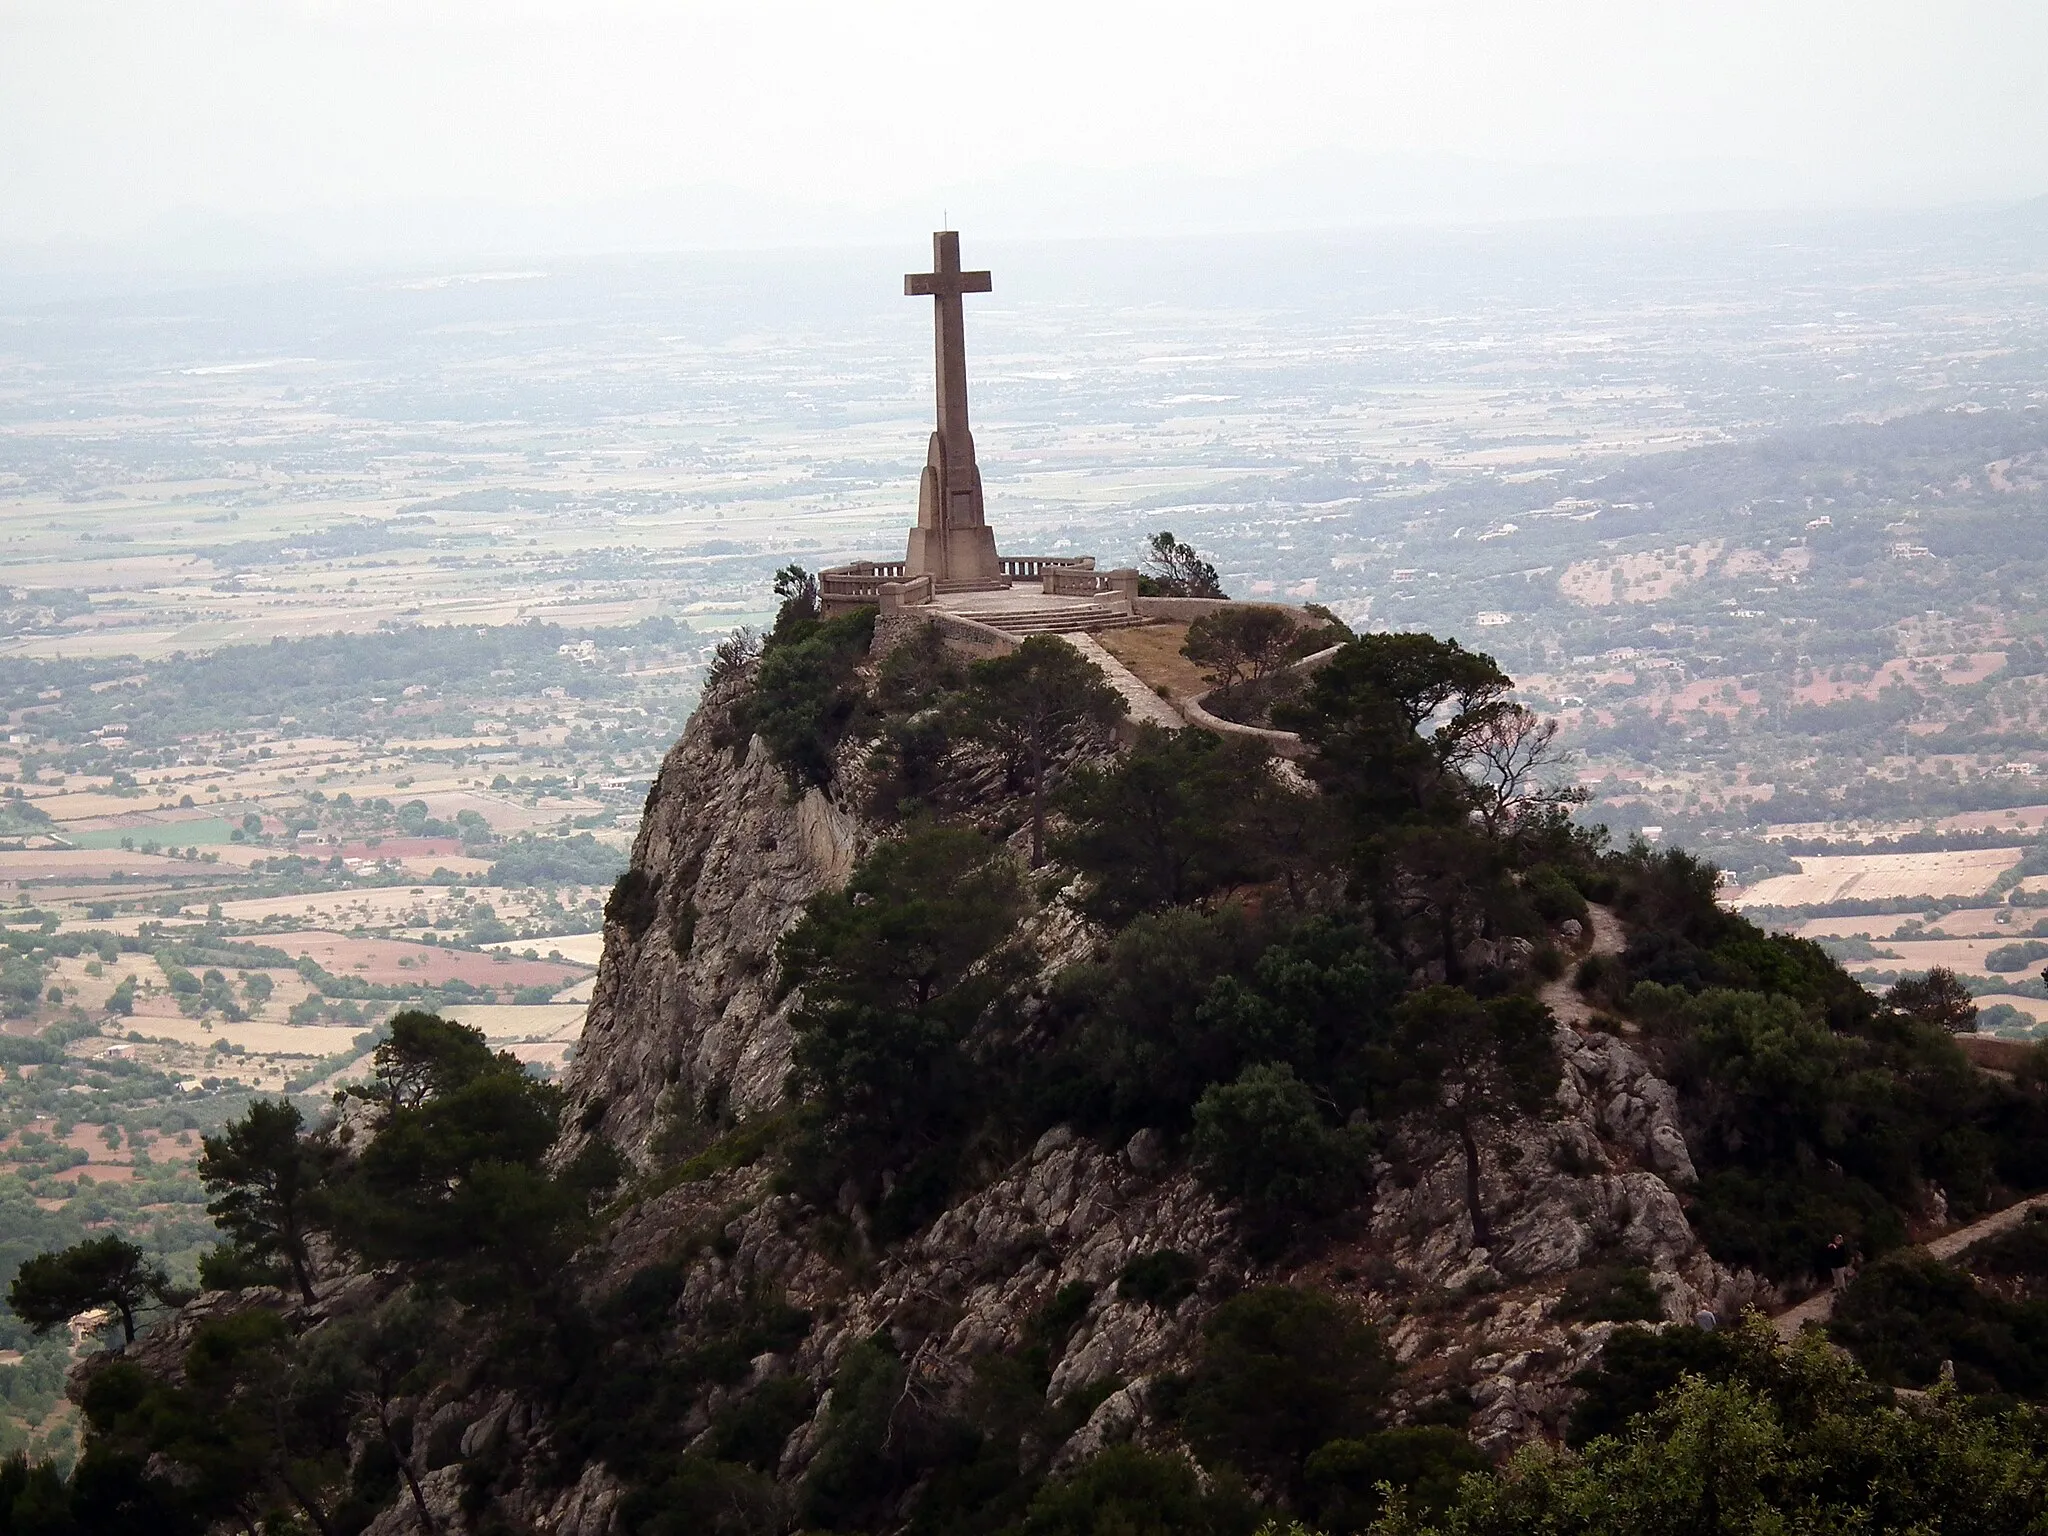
<point x="1878" y="876"/>
<point x="582" y="948"/>
<point x="2035" y="1008"/>
<point x="1964" y="922"/>
<point x="391" y="960"/>
<point x="1965" y="955"/>
<point x="107" y="1164"/>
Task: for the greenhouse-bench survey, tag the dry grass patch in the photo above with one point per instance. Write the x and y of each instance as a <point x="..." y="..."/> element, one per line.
<point x="1152" y="652"/>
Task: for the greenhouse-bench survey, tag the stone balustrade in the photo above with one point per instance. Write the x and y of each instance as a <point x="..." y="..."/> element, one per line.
<point x="846" y="587"/>
<point x="1032" y="567"/>
<point x="911" y="592"/>
<point x="1064" y="581"/>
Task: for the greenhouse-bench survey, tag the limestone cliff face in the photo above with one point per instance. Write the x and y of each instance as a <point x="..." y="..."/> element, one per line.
<point x="687" y="1004"/>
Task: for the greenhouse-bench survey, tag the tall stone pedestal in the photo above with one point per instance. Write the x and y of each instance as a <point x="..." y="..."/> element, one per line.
<point x="952" y="542"/>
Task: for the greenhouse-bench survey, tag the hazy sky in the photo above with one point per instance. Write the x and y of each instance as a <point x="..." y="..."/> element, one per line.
<point x="284" y="113"/>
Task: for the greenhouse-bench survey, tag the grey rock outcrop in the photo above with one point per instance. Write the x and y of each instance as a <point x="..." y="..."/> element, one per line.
<point x="1609" y="1085"/>
<point x="1067" y="1212"/>
<point x="688" y="1005"/>
<point x="1595" y="1185"/>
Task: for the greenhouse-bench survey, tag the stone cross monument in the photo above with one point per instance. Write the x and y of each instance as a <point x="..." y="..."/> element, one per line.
<point x="952" y="542"/>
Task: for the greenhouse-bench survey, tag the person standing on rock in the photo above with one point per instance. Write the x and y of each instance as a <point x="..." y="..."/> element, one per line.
<point x="1835" y="1260"/>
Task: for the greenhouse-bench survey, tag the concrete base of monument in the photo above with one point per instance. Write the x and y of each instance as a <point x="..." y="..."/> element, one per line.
<point x="1024" y="609"/>
<point x="957" y="559"/>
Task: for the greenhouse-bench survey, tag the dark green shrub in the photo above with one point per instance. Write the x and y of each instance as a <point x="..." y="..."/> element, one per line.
<point x="225" y="1267"/>
<point x="1635" y="1368"/>
<point x="800" y="608"/>
<point x="1597" y="974"/>
<point x="1320" y="999"/>
<point x="634" y="902"/>
<point x="880" y="1060"/>
<point x="1263" y="1142"/>
<point x="1143" y="1052"/>
<point x="1595" y="881"/>
<point x="1282" y="1371"/>
<point x="1792" y="1439"/>
<point x="1611" y="1296"/>
<point x="1552" y="894"/>
<point x="1425" y="1463"/>
<point x="1165" y="824"/>
<point x="682" y="928"/>
<point x="854" y="1475"/>
<point x="919" y="673"/>
<point x="753" y="1431"/>
<point x="1241" y="644"/>
<point x="1779" y="1220"/>
<point x="1129" y="1492"/>
<point x="2018" y="1258"/>
<point x="909" y="764"/>
<point x="1056" y="1321"/>
<point x="1162" y="1279"/>
<point x="1674" y="893"/>
<point x="1909" y="1312"/>
<point x="805" y="694"/>
<point x="703" y="1497"/>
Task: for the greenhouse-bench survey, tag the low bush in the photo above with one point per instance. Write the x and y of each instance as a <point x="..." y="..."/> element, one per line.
<point x="1262" y="1141"/>
<point x="1552" y="894"/>
<point x="1425" y="1463"/>
<point x="1635" y="1368"/>
<point x="704" y="1497"/>
<point x="1129" y="1492"/>
<point x="1282" y="1373"/>
<point x="2016" y="1260"/>
<point x="856" y="1472"/>
<point x="1161" y="1279"/>
<point x="1611" y="1295"/>
<point x="753" y="1430"/>
<point x="634" y="902"/>
<point x="1910" y="1312"/>
<point x="805" y="695"/>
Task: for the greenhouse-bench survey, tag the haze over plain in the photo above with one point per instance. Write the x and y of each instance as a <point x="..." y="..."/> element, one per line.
<point x="240" y="132"/>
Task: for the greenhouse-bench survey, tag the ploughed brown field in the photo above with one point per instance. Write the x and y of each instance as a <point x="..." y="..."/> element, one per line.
<point x="394" y="960"/>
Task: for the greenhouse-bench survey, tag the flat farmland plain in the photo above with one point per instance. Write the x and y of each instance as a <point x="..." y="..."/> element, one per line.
<point x="1881" y="876"/>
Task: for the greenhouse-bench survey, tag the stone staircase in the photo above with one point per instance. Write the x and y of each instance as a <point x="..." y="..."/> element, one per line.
<point x="1047" y="617"/>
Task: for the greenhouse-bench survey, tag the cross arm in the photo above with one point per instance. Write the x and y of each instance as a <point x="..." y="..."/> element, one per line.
<point x="943" y="284"/>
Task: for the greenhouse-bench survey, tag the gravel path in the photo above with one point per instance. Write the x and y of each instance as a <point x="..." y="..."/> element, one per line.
<point x="1561" y="996"/>
<point x="1817" y="1309"/>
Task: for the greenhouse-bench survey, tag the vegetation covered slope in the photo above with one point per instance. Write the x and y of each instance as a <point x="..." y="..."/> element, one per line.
<point x="1167" y="1142"/>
